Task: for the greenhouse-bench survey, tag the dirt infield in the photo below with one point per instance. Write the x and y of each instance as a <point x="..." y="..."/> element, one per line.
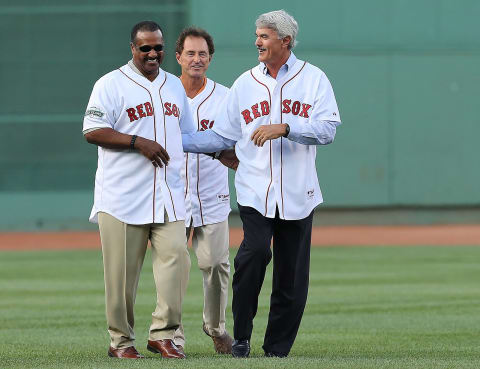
<point x="321" y="236"/>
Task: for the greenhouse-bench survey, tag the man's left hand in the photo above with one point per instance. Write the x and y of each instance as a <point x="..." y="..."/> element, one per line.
<point x="229" y="159"/>
<point x="268" y="132"/>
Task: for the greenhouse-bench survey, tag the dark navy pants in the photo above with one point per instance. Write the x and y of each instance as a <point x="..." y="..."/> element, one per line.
<point x="291" y="263"/>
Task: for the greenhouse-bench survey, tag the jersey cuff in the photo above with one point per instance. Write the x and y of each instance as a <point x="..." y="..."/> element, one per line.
<point x="88" y="130"/>
<point x="295" y="131"/>
<point x="89" y="125"/>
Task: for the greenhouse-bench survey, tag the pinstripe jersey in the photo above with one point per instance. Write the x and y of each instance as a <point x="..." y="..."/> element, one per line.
<point x="127" y="185"/>
<point x="207" y="197"/>
<point x="281" y="174"/>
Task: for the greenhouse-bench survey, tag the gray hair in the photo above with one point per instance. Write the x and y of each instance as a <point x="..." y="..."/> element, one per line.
<point x="282" y="23"/>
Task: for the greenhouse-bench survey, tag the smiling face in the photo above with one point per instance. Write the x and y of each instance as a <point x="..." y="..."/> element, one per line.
<point x="148" y="62"/>
<point x="195" y="58"/>
<point x="271" y="49"/>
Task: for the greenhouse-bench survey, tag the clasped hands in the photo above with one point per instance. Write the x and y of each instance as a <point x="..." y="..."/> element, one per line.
<point x="259" y="137"/>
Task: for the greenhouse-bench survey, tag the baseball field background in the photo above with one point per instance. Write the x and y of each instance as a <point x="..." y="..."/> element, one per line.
<point x="405" y="75"/>
<point x="395" y="281"/>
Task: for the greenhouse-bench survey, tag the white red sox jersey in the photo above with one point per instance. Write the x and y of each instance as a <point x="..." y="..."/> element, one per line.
<point x="127" y="185"/>
<point x="282" y="173"/>
<point x="207" y="195"/>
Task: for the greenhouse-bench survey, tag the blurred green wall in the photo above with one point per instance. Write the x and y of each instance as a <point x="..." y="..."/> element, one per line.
<point x="405" y="74"/>
<point x="52" y="53"/>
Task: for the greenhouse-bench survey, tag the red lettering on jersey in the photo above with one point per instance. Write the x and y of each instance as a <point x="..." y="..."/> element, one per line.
<point x="204" y="124"/>
<point x="305" y="108"/>
<point x="265" y="108"/>
<point x="175" y="111"/>
<point x="296" y="107"/>
<point x="131" y="114"/>
<point x="140" y="111"/>
<point x="148" y="109"/>
<point x="286" y="106"/>
<point x="211" y="124"/>
<point x="246" y="116"/>
<point x="168" y="108"/>
<point x="255" y="112"/>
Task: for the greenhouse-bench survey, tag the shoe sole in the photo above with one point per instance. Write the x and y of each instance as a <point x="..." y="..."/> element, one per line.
<point x="241" y="356"/>
<point x="116" y="357"/>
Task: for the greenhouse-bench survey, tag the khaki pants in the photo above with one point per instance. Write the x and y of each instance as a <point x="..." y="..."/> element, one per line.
<point x="210" y="243"/>
<point x="123" y="249"/>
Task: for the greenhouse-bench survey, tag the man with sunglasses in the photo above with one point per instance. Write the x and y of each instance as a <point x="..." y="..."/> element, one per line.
<point x="136" y="115"/>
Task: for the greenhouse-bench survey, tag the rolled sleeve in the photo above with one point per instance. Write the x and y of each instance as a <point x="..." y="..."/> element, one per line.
<point x="205" y="141"/>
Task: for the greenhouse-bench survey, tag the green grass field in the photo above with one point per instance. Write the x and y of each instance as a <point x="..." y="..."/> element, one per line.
<point x="368" y="307"/>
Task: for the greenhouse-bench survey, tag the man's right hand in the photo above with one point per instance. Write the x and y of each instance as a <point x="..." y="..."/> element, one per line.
<point x="111" y="139"/>
<point x="153" y="151"/>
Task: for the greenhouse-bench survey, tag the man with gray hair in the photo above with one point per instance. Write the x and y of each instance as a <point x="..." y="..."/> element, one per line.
<point x="275" y="114"/>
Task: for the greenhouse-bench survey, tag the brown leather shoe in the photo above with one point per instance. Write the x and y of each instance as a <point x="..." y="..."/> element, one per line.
<point x="165" y="347"/>
<point x="222" y="344"/>
<point x="125" y="353"/>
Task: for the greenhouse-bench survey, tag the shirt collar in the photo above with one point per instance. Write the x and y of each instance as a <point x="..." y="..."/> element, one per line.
<point x="287" y="66"/>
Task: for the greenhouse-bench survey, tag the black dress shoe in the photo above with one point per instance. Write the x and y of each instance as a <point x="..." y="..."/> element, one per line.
<point x="274" y="354"/>
<point x="240" y="348"/>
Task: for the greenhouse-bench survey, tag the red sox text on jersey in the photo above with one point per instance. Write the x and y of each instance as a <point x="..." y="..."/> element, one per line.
<point x="297" y="108"/>
<point x="146" y="110"/>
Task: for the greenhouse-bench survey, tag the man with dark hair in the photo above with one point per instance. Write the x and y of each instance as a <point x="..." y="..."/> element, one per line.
<point x="194" y="32"/>
<point x="207" y="194"/>
<point x="145" y="26"/>
<point x="136" y="115"/>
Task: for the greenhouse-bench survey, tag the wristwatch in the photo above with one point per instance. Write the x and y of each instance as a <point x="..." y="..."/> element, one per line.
<point x="287" y="130"/>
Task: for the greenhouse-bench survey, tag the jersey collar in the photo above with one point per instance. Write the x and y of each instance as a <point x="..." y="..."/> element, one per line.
<point x="134" y="68"/>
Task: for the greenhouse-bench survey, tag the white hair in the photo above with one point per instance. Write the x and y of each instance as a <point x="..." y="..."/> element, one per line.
<point x="282" y="23"/>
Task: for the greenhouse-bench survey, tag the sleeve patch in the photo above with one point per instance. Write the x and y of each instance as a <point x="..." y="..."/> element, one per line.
<point x="94" y="112"/>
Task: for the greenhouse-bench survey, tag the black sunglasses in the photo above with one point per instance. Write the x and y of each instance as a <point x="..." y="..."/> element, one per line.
<point x="148" y="48"/>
